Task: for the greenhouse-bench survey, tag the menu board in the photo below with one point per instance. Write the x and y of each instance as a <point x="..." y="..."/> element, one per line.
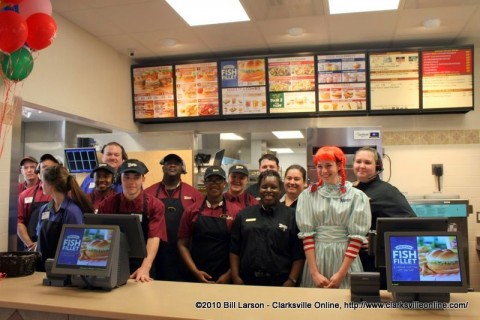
<point x="406" y="81"/>
<point x="394" y="80"/>
<point x="243" y="87"/>
<point x="197" y="89"/>
<point x="291" y="84"/>
<point x="447" y="78"/>
<point x="342" y="82"/>
<point x="153" y="92"/>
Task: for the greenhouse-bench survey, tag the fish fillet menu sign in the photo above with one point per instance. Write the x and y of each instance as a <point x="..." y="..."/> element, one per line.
<point x="447" y="78"/>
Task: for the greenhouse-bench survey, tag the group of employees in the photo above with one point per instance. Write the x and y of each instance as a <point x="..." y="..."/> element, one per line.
<point x="273" y="233"/>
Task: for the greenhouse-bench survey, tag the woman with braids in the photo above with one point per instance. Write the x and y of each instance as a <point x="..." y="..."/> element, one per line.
<point x="67" y="206"/>
<point x="333" y="219"/>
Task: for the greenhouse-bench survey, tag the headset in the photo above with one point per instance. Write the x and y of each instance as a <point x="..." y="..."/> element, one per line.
<point x="378" y="163"/>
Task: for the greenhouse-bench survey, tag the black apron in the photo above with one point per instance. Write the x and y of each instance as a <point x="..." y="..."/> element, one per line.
<point x="168" y="263"/>
<point x="48" y="237"/>
<point x="135" y="263"/>
<point x="210" y="243"/>
<point x="32" y="221"/>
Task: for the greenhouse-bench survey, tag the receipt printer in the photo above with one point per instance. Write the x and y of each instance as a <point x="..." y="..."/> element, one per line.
<point x="365" y="286"/>
<point x="53" y="279"/>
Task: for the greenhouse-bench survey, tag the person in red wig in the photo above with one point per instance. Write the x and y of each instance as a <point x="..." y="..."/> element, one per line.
<point x="333" y="218"/>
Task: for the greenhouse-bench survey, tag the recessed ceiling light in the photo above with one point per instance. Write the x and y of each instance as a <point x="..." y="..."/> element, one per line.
<point x="169" y="42"/>
<point x="297" y="134"/>
<point x="281" y="150"/>
<point x="205" y="12"/>
<point x="350" y="6"/>
<point x="432" y="23"/>
<point x="230" y="136"/>
<point x="295" y="31"/>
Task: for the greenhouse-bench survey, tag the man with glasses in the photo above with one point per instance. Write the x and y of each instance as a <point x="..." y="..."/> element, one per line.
<point x="29" y="203"/>
<point x="204" y="233"/>
<point x="176" y="196"/>
<point x="28" y="166"/>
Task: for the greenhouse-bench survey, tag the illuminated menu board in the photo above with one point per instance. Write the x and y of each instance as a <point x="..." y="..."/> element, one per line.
<point x="243" y="87"/>
<point x="291" y="84"/>
<point x="197" y="89"/>
<point x="447" y="78"/>
<point x="394" y="80"/>
<point x="153" y="92"/>
<point x="342" y="82"/>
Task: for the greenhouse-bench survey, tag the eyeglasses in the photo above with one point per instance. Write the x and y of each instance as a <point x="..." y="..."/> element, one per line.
<point x="214" y="181"/>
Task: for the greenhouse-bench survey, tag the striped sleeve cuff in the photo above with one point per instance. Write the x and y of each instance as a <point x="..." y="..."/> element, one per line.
<point x="308" y="243"/>
<point x="353" y="248"/>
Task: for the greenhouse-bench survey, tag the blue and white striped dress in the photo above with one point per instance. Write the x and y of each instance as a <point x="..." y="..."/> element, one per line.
<point x="332" y="218"/>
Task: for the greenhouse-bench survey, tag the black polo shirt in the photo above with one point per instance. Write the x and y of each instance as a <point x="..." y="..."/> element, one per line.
<point x="266" y="240"/>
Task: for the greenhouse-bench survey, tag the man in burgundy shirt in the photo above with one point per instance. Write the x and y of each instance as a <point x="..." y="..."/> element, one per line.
<point x="29" y="204"/>
<point x="133" y="200"/>
<point x="28" y="165"/>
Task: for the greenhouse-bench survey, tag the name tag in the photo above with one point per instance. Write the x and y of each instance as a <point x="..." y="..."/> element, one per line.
<point x="251" y="220"/>
<point x="91" y="185"/>
<point x="45" y="215"/>
<point x="187" y="198"/>
<point x="28" y="199"/>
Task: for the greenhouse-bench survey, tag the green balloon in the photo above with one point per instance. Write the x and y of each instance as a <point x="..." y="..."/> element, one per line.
<point x="18" y="65"/>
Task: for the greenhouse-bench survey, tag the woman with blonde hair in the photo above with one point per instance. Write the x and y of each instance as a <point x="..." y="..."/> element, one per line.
<point x="333" y="218"/>
<point x="68" y="205"/>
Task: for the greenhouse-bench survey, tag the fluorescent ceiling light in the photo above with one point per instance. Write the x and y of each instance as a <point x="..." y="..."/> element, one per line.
<point x="281" y="150"/>
<point x="230" y="136"/>
<point x="288" y="134"/>
<point x="350" y="6"/>
<point x="204" y="12"/>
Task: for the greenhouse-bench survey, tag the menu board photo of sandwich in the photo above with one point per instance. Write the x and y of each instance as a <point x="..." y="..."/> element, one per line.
<point x="291" y="84"/>
<point x="447" y="78"/>
<point x="342" y="82"/>
<point x="153" y="92"/>
<point x="394" y="74"/>
<point x="242" y="73"/>
<point x="197" y="89"/>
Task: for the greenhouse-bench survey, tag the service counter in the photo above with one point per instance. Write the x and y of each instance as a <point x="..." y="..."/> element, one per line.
<point x="26" y="298"/>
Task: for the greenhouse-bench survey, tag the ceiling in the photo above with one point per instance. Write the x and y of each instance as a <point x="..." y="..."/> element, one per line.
<point x="140" y="28"/>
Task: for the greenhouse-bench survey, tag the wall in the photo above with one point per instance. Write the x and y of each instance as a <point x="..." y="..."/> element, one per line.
<point x="80" y="76"/>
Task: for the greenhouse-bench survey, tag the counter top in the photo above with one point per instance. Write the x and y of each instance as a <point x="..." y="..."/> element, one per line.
<point x="176" y="300"/>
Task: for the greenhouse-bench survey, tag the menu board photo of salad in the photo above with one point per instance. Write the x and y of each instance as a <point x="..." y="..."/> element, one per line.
<point x="153" y="92"/>
<point x="197" y="89"/>
<point x="342" y="82"/>
<point x="394" y="74"/>
<point x="243" y="87"/>
<point x="291" y="84"/>
<point x="447" y="78"/>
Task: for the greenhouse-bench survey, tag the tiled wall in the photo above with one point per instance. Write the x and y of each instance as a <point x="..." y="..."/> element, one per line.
<point x="431" y="137"/>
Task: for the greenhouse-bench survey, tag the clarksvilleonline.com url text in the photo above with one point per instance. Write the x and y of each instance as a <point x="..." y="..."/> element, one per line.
<point x="405" y="305"/>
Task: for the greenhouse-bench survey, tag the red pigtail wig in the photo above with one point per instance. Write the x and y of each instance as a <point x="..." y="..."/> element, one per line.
<point x="332" y="153"/>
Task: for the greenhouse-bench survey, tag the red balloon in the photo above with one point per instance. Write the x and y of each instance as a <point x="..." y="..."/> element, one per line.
<point x="13" y="31"/>
<point x="41" y="31"/>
